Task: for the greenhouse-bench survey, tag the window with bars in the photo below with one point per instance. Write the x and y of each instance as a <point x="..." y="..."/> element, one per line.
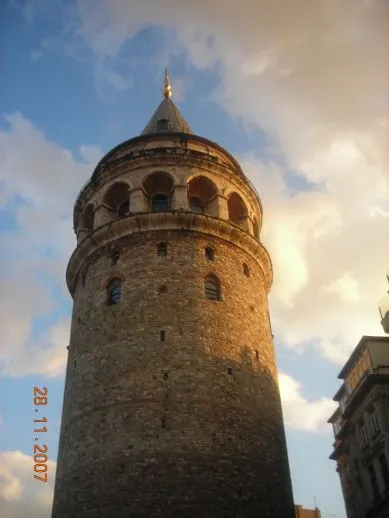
<point x="162" y="249"/>
<point x="114" y="291"/>
<point x="160" y="203"/>
<point x="209" y="254"/>
<point x="196" y="204"/>
<point x="246" y="270"/>
<point x="212" y="288"/>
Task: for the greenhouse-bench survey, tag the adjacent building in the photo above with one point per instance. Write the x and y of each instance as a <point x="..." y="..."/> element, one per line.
<point x="384" y="310"/>
<point x="301" y="512"/>
<point x="361" y="429"/>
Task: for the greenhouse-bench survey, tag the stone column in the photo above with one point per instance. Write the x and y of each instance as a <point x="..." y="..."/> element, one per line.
<point x="218" y="207"/>
<point x="103" y="215"/>
<point x="139" y="201"/>
<point x="180" y="197"/>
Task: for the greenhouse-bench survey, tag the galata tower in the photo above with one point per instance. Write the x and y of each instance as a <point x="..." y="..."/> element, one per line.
<point x="171" y="405"/>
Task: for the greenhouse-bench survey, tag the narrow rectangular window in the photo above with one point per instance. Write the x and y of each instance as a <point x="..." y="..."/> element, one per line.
<point x="162" y="335"/>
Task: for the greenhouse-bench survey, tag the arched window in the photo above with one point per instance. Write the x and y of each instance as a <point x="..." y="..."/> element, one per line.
<point x="196" y="204"/>
<point x="124" y="209"/>
<point x="209" y="255"/>
<point x="237" y="210"/>
<point x="116" y="199"/>
<point x="202" y="194"/>
<point x="114" y="291"/>
<point x="160" y="203"/>
<point x="162" y="249"/>
<point x="246" y="270"/>
<point x="212" y="288"/>
<point x="88" y="218"/>
<point x="159" y="189"/>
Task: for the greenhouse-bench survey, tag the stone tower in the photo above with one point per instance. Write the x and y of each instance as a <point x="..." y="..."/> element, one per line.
<point x="171" y="404"/>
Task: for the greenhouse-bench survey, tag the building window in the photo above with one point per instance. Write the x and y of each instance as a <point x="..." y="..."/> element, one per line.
<point x="114" y="291"/>
<point x="384" y="469"/>
<point x="162" y="249"/>
<point x="197" y="204"/>
<point x="162" y="335"/>
<point x="363" y="434"/>
<point x="160" y="203"/>
<point x="212" y="288"/>
<point x="209" y="255"/>
<point x="115" y="256"/>
<point x="373" y="482"/>
<point x="374" y="423"/>
<point x="246" y="270"/>
<point x="124" y="209"/>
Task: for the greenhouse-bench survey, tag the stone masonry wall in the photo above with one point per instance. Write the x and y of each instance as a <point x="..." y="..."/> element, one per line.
<point x="191" y="426"/>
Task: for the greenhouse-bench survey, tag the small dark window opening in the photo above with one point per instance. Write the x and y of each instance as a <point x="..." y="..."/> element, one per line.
<point x="257" y="355"/>
<point x="160" y="203"/>
<point x="162" y="249"/>
<point x="163" y="289"/>
<point x="162" y="335"/>
<point x="209" y="255"/>
<point x="246" y="270"/>
<point x="197" y="204"/>
<point x="114" y="291"/>
<point x="229" y="371"/>
<point x="124" y="209"/>
<point x="115" y="256"/>
<point x="211" y="290"/>
<point x="163" y="421"/>
<point x="165" y="376"/>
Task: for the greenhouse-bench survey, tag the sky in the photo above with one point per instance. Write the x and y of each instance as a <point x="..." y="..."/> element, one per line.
<point x="296" y="91"/>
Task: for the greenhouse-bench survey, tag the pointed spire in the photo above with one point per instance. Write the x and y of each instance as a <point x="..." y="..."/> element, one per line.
<point x="167" y="117"/>
<point x="167" y="91"/>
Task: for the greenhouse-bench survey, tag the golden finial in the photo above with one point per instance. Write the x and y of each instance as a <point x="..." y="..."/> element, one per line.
<point x="167" y="91"/>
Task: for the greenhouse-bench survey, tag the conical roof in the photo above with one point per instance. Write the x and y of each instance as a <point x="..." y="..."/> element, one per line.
<point x="167" y="117"/>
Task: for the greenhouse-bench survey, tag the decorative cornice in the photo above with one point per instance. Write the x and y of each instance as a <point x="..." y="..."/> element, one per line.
<point x="174" y="220"/>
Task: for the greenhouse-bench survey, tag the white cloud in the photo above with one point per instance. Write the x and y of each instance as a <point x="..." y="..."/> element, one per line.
<point x="35" y="55"/>
<point x="20" y="493"/>
<point x="299" y="413"/>
<point x="47" y="178"/>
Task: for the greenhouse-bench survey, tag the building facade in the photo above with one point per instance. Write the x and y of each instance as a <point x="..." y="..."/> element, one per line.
<point x="361" y="429"/>
<point x="301" y="512"/>
<point x="171" y="403"/>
